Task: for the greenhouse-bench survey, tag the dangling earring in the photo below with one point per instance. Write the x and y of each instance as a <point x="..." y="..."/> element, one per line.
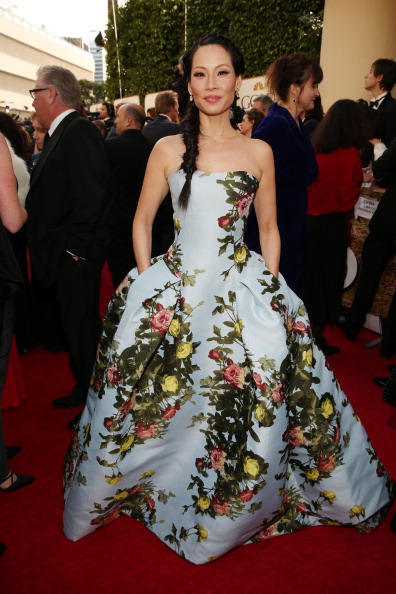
<point x="191" y="96"/>
<point x="294" y="100"/>
<point x="237" y="93"/>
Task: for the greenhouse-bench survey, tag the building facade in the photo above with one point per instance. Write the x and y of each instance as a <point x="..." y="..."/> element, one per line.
<point x="23" y="49"/>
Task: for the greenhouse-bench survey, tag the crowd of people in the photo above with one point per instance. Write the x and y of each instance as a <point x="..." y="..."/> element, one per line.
<point x="206" y="332"/>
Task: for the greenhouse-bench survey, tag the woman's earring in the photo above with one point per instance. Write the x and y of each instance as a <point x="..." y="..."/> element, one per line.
<point x="237" y="93"/>
<point x="191" y="96"/>
<point x="294" y="99"/>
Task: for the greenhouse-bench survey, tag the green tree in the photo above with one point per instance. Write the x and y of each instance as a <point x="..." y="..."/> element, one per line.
<point x="91" y="92"/>
<point x="151" y="36"/>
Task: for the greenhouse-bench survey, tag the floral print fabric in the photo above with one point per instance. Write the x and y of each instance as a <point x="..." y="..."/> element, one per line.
<point x="213" y="418"/>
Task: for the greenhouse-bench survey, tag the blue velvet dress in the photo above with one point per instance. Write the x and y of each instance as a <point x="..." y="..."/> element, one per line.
<point x="295" y="170"/>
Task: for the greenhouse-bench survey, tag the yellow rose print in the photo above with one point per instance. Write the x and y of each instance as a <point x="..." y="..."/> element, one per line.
<point x="203" y="503"/>
<point x="127" y="442"/>
<point x="147" y="474"/>
<point x="327" y="408"/>
<point x="183" y="350"/>
<point x="174" y="327"/>
<point x="312" y="474"/>
<point x="113" y="480"/>
<point x="259" y="412"/>
<point x="170" y="383"/>
<point x="240" y="254"/>
<point x="357" y="510"/>
<point x="202" y="533"/>
<point x="329" y="495"/>
<point x="121" y="495"/>
<point x="176" y="223"/>
<point x="251" y="466"/>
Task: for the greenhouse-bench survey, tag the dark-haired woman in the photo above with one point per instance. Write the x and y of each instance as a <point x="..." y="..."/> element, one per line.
<point x="212" y="417"/>
<point x="107" y="114"/>
<point x="250" y="121"/>
<point x="338" y="140"/>
<point x="294" y="80"/>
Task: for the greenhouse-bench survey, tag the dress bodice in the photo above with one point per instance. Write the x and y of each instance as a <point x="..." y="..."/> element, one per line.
<point x="211" y="228"/>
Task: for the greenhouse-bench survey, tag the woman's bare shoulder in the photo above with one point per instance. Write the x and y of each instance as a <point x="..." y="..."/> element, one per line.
<point x="169" y="150"/>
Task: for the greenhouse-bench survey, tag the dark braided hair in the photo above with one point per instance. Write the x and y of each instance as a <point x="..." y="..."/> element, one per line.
<point x="190" y="126"/>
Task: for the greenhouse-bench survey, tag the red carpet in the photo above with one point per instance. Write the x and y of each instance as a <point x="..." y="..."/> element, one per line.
<point x="126" y="557"/>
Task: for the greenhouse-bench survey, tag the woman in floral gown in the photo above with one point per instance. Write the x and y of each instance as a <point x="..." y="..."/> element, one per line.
<point x="212" y="417"/>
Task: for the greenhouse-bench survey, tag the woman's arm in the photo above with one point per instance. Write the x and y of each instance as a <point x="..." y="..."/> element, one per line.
<point x="265" y="207"/>
<point x="154" y="189"/>
<point x="12" y="215"/>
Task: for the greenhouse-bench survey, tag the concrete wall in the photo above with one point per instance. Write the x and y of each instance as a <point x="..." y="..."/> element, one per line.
<point x="355" y="33"/>
<point x="23" y="49"/>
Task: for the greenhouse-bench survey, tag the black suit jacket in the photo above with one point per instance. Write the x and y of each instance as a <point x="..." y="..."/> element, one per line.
<point x="159" y="128"/>
<point x="128" y="155"/>
<point x="384" y="218"/>
<point x="385" y="120"/>
<point x="68" y="198"/>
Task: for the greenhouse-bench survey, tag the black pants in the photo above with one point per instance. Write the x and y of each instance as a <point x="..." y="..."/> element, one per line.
<point x="377" y="250"/>
<point x="7" y="321"/>
<point x="323" y="273"/>
<point x="78" y="292"/>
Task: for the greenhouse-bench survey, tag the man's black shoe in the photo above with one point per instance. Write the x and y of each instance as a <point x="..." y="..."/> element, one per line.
<point x="68" y="401"/>
<point x="380" y="381"/>
<point x="350" y="329"/>
<point x="74" y="422"/>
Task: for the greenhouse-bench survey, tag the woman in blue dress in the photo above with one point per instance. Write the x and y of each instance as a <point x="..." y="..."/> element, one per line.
<point x="294" y="80"/>
<point x="212" y="418"/>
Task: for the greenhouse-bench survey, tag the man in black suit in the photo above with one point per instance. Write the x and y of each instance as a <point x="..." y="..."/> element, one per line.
<point x="378" y="248"/>
<point x="380" y="80"/>
<point x="68" y="208"/>
<point x="165" y="124"/>
<point x="128" y="154"/>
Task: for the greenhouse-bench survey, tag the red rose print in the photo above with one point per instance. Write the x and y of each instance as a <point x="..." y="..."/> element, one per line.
<point x="113" y="375"/>
<point x="220" y="507"/>
<point x="275" y="305"/>
<point x="245" y="495"/>
<point x="327" y="464"/>
<point x="278" y="393"/>
<point x="199" y="462"/>
<point x="217" y="458"/>
<point x="169" y="412"/>
<point x="295" y="436"/>
<point x="150" y="504"/>
<point x="301" y="507"/>
<point x="300" y="328"/>
<point x="268" y="532"/>
<point x="213" y="354"/>
<point x="108" y="421"/>
<point x="145" y="431"/>
<point x="243" y="203"/>
<point x="136" y="489"/>
<point x="160" y="321"/>
<point x="234" y="375"/>
<point x="127" y="406"/>
<point x="224" y="221"/>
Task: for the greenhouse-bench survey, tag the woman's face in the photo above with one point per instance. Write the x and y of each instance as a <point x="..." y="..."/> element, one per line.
<point x="307" y="95"/>
<point x="213" y="81"/>
<point x="246" y="126"/>
<point x="103" y="113"/>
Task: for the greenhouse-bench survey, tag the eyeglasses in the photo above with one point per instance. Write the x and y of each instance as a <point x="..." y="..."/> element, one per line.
<point x="34" y="91"/>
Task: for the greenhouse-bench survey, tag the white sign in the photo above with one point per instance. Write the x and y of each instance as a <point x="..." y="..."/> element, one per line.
<point x="365" y="207"/>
